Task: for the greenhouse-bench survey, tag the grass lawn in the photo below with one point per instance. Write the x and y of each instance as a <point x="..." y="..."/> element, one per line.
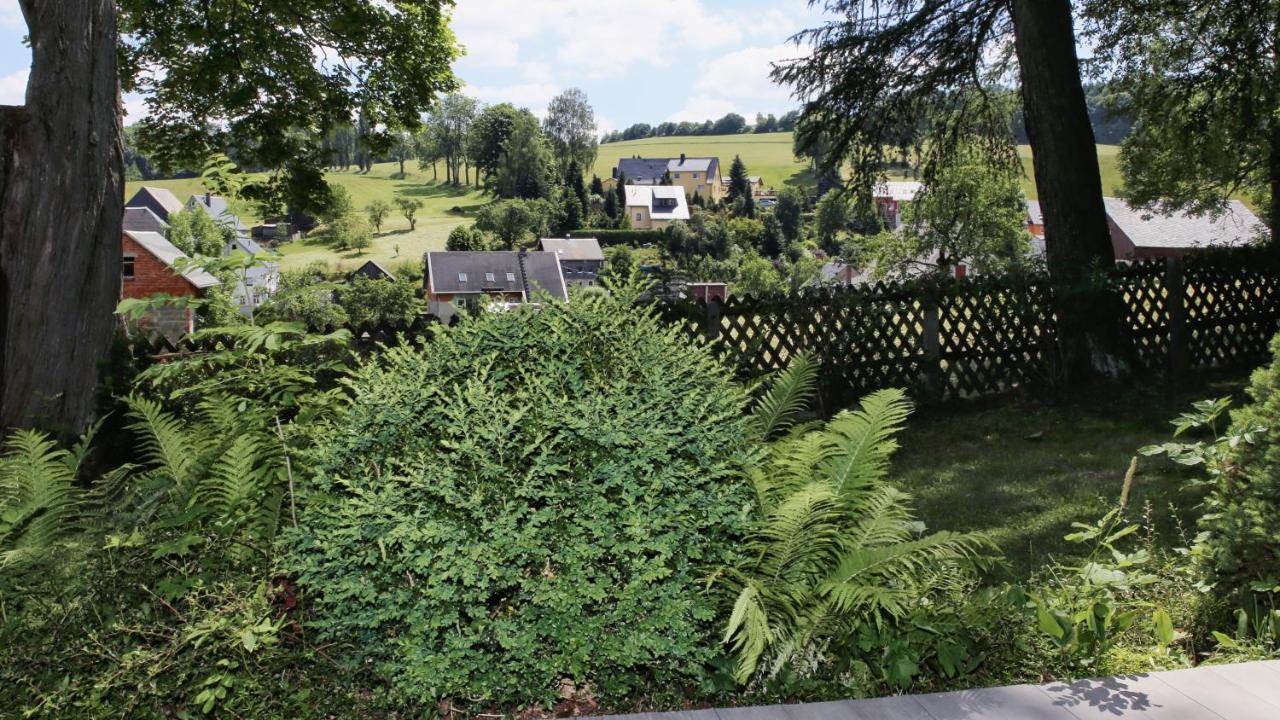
<point x="435" y="220"/>
<point x="770" y="156"/>
<point x="1023" y="473"/>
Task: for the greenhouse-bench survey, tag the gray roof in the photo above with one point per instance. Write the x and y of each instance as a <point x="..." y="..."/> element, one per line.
<point x="899" y="190"/>
<point x="168" y="253"/>
<point x="143" y="219"/>
<point x="219" y="210"/>
<point x="372" y="270"/>
<point x="248" y="245"/>
<point x="1034" y="213"/>
<point x="1148" y="229"/>
<point x="158" y="200"/>
<point x="649" y="171"/>
<point x="574" y="249"/>
<point x="541" y="271"/>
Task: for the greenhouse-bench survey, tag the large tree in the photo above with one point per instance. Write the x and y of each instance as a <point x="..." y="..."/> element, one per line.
<point x="489" y="134"/>
<point x="1201" y="81"/>
<point x="885" y="71"/>
<point x="218" y="74"/>
<point x="450" y="128"/>
<point x="525" y="167"/>
<point x="571" y="125"/>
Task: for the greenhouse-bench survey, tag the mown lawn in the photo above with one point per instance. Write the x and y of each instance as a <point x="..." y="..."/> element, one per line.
<point x="1023" y="472"/>
<point x="444" y="208"/>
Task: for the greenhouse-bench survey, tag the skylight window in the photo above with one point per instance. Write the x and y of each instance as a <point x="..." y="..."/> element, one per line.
<point x="511" y="277"/>
<point x="462" y="277"/>
<point x="488" y="277"/>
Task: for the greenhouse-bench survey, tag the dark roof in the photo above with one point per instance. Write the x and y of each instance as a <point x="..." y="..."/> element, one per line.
<point x="541" y="271"/>
<point x="643" y="170"/>
<point x="143" y="220"/>
<point x="160" y="201"/>
<point x="373" y="271"/>
<point x="219" y="210"/>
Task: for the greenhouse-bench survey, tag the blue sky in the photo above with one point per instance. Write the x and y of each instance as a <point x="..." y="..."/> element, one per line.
<point x="637" y="60"/>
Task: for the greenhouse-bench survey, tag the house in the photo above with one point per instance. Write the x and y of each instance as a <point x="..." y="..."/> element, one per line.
<point x="889" y="198"/>
<point x="458" y="280"/>
<point x="371" y="270"/>
<point x="220" y="211"/>
<point x="147" y="268"/>
<point x="581" y="259"/>
<point x="160" y="201"/>
<point x="708" y="291"/>
<point x="754" y="182"/>
<point x="696" y="175"/>
<point x="143" y="219"/>
<point x="843" y="274"/>
<point x="653" y="207"/>
<point x="1138" y="234"/>
<point x="257" y="283"/>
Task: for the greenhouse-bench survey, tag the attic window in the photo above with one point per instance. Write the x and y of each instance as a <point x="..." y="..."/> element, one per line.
<point x="511" y="277"/>
<point x="488" y="277"/>
<point x="462" y="277"/>
<point x="126" y="267"/>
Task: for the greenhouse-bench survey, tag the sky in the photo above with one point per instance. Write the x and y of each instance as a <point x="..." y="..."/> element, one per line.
<point x="637" y="60"/>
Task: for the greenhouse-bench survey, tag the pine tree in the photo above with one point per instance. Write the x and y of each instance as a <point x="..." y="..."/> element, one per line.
<point x="739" y="182"/>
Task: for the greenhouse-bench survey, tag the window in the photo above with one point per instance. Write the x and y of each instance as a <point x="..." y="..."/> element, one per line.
<point x="701" y="188"/>
<point x="488" y="277"/>
<point x="462" y="277"/>
<point x="639" y="216"/>
<point x="695" y="176"/>
<point x="676" y="176"/>
<point x="511" y="277"/>
<point x="126" y="268"/>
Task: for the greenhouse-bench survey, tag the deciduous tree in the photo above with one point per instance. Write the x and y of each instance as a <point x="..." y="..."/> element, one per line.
<point x="571" y="124"/>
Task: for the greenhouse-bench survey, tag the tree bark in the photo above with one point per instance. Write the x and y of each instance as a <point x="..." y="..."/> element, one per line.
<point x="62" y="184"/>
<point x="1077" y="236"/>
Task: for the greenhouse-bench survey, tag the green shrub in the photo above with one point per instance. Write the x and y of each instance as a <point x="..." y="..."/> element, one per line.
<point x="635" y="238"/>
<point x="532" y="497"/>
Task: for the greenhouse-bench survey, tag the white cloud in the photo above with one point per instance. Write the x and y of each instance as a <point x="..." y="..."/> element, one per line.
<point x="11" y="15"/>
<point x="532" y="95"/>
<point x="744" y="76"/>
<point x="13" y="88"/>
<point x="135" y="108"/>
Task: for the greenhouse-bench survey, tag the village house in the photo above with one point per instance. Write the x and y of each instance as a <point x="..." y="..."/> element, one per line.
<point x="457" y="281"/>
<point x="1140" y="234"/>
<point x="889" y="197"/>
<point x="371" y="270"/>
<point x="160" y="201"/>
<point x="696" y="175"/>
<point x="653" y="207"/>
<point x="147" y="268"/>
<point x="581" y="259"/>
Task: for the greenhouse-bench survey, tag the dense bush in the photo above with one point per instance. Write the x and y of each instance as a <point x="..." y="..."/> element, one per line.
<point x="634" y="238"/>
<point x="532" y="498"/>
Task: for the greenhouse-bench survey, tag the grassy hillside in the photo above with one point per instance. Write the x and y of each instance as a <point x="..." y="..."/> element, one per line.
<point x="770" y="157"/>
<point x="435" y="220"/>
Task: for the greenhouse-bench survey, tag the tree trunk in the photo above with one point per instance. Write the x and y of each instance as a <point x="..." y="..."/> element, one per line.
<point x="1077" y="236"/>
<point x="62" y="183"/>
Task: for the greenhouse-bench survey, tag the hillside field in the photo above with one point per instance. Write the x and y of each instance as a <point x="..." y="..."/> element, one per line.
<point x="435" y="220"/>
<point x="446" y="207"/>
<point x="770" y="156"/>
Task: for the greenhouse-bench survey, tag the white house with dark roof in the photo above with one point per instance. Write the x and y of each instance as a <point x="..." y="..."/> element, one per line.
<point x="581" y="259"/>
<point x="653" y="207"/>
<point x="467" y="280"/>
<point x="696" y="175"/>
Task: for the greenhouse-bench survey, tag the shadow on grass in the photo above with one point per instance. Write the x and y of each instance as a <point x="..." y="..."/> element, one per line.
<point x="1023" y="472"/>
<point x="433" y="190"/>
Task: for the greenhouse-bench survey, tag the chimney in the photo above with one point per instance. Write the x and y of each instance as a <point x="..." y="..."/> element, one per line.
<point x="208" y="199"/>
<point x="524" y="277"/>
<point x="681" y="158"/>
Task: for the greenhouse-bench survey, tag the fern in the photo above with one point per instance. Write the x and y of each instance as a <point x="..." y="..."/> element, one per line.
<point x="833" y="546"/>
<point x="38" y="498"/>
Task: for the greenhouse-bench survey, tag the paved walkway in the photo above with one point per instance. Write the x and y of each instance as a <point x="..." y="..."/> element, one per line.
<point x="1248" y="691"/>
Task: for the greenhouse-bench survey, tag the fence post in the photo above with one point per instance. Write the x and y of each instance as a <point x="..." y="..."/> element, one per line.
<point x="932" y="341"/>
<point x="1175" y="303"/>
<point x="711" y="326"/>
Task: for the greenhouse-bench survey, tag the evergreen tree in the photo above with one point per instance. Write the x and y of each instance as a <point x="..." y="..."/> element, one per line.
<point x="739" y="181"/>
<point x="597" y="187"/>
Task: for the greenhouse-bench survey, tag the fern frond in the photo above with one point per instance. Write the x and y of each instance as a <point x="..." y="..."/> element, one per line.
<point x="37" y="497"/>
<point x="864" y="440"/>
<point x="790" y="393"/>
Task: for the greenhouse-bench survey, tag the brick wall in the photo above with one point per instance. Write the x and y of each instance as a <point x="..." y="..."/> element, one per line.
<point x="151" y="276"/>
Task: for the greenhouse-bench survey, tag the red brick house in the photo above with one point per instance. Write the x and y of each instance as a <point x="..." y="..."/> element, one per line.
<point x="147" y="268"/>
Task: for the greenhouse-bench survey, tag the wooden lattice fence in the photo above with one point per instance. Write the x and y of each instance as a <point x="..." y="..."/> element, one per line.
<point x="988" y="335"/>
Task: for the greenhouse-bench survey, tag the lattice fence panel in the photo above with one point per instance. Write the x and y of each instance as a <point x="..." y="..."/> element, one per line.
<point x="994" y="336"/>
<point x="1232" y="308"/>
<point x="1141" y="288"/>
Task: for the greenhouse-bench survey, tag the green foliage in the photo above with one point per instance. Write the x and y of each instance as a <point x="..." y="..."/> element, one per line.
<point x="350" y="231"/>
<point x="571" y="125"/>
<point x="304" y="297"/>
<point x="464" y="238"/>
<point x="833" y="550"/>
<point x="377" y="212"/>
<point x="531" y="497"/>
<point x="634" y="238"/>
<point x="409" y="208"/>
<point x="39" y="499"/>
<point x="379" y="303"/>
<point x="488" y="136"/>
<point x="526" y="165"/>
<point x="789" y="211"/>
<point x="516" y="223"/>
<point x="195" y="232"/>
<point x="831" y="218"/>
<point x="1085" y="609"/>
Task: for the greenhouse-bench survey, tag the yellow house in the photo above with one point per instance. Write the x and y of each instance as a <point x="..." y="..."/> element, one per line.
<point x="695" y="175"/>
<point x="653" y="207"/>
